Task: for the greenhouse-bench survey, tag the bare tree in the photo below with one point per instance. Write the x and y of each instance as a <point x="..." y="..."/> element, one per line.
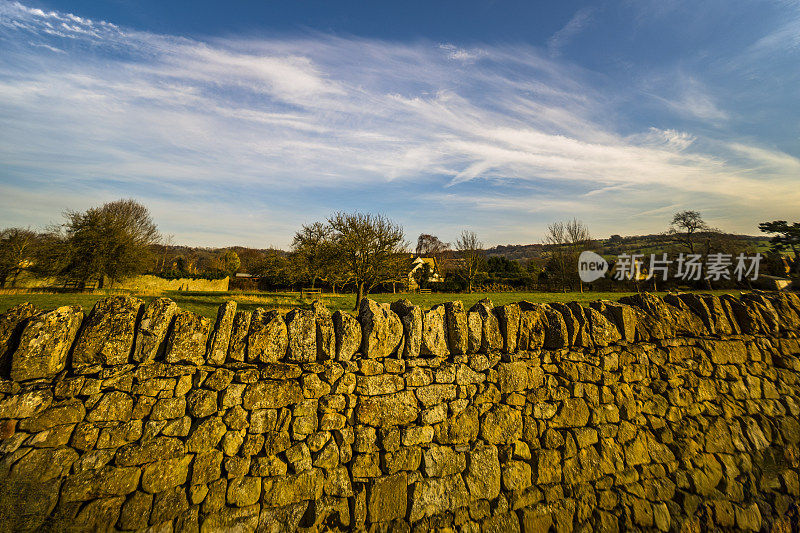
<point x="368" y="247"/>
<point x="685" y="226"/>
<point x="16" y="249"/>
<point x="556" y="240"/>
<point x="430" y="245"/>
<point x="470" y="251"/>
<point x="566" y="241"/>
<point x="166" y="243"/>
<point x="312" y="247"/>
<point x="578" y="240"/>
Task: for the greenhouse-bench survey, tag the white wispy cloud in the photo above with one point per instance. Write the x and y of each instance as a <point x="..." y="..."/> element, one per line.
<point x="302" y="126"/>
<point x="576" y="24"/>
<point x="784" y="38"/>
<point x="686" y="96"/>
<point x="466" y="55"/>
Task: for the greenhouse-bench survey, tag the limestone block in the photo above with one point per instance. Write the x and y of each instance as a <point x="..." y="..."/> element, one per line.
<point x="107" y="336"/>
<point x="45" y="343"/>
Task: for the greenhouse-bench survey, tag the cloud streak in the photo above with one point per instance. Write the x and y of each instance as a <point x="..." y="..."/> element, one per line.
<point x="576" y="25"/>
<point x="293" y="126"/>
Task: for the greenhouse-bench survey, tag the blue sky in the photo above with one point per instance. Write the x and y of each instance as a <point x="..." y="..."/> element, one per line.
<point x="237" y="122"/>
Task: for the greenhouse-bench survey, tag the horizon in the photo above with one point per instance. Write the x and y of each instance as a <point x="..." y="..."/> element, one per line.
<point x="450" y="248"/>
<point x="237" y="125"/>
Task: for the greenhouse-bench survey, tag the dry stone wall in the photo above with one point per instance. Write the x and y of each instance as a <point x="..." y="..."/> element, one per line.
<point x="675" y="414"/>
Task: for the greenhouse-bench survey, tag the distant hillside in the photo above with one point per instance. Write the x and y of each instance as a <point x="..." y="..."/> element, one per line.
<point x="616" y="244"/>
<point x="516" y="251"/>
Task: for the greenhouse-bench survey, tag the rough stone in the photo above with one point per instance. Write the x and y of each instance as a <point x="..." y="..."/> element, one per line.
<point x="388" y="498"/>
<point x="165" y="474"/>
<point x="221" y="334"/>
<point x="621" y="315"/>
<point x="556" y="332"/>
<point x="158" y="448"/>
<point x="430" y="395"/>
<point x="206" y="467"/>
<point x="301" y="326"/>
<point x="513" y="377"/>
<point x="459" y="429"/>
<point x="686" y="322"/>
<point x="603" y="331"/>
<point x="135" y="511"/>
<point x="244" y="491"/>
<point x="168" y="505"/>
<point x="573" y="413"/>
<point x="474" y="332"/>
<point x="440" y="461"/>
<point x="381" y="329"/>
<point x="113" y="406"/>
<point x="654" y="318"/>
<point x="501" y="424"/>
<point x="271" y="394"/>
<point x="456" y="320"/>
<point x="151" y="335"/>
<point x="483" y="474"/>
<point x="548" y="468"/>
<point x="379" y="384"/>
<point x="99" y="483"/>
<point x="532" y="327"/>
<point x="107" y="336"/>
<point x="411" y="317"/>
<point x="337" y="482"/>
<point x="206" y="435"/>
<point x="187" y="342"/>
<point x="44" y="344"/>
<point x="491" y="338"/>
<point x="389" y="410"/>
<point x="697" y="304"/>
<point x="286" y="490"/>
<point x="268" y="338"/>
<point x="583" y="335"/>
<point x="572" y="318"/>
<point x="508" y="317"/>
<point x="168" y="408"/>
<point x="434" y="332"/>
<point x="70" y="412"/>
<point x="416" y="435"/>
<point x="516" y="475"/>
<point x="437" y="495"/>
<point x="202" y="403"/>
<point x="44" y="464"/>
<point x="348" y="335"/>
<point x="693" y="427"/>
<point x="237" y="349"/>
<point x="26" y="404"/>
<point x="12" y="322"/>
<point x="326" y="338"/>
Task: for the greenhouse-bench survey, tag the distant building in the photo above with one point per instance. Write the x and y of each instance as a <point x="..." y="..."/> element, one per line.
<point x="417" y="264"/>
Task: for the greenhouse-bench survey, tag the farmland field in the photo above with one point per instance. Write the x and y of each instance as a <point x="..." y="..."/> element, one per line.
<point x="206" y="303"/>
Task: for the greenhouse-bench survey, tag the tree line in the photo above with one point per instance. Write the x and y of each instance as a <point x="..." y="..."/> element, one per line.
<point x="112" y="242"/>
<point x="355" y="252"/>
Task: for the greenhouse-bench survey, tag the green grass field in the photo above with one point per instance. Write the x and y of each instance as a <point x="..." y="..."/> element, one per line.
<point x="206" y="303"/>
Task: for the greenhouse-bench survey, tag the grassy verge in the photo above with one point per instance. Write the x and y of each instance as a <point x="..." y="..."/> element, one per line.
<point x="206" y="303"/>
